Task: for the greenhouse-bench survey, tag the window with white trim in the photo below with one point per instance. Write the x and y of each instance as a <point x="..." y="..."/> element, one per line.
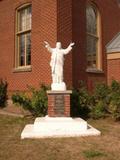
<point x="93" y="37"/>
<point x="23" y="36"/>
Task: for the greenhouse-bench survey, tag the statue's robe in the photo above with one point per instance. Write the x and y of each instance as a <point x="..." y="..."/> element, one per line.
<point x="57" y="61"/>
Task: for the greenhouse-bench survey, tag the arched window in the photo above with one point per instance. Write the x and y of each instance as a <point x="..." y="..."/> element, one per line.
<point x="23" y="36"/>
<point x="93" y="37"/>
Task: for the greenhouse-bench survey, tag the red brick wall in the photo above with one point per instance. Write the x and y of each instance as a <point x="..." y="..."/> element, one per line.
<point x="44" y="27"/>
<point x="113" y="70"/>
<point x="79" y="37"/>
<point x="64" y="34"/>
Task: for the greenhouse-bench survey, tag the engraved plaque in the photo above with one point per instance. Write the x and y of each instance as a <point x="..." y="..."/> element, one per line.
<point x="59" y="105"/>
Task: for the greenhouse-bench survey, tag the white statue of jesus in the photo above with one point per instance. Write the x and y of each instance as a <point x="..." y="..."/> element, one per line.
<point x="57" y="63"/>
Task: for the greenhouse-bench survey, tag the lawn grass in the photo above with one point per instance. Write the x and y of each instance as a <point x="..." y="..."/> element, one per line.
<point x="105" y="147"/>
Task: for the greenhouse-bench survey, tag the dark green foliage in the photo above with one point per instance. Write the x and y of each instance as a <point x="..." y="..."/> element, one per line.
<point x="104" y="101"/>
<point x="115" y="86"/>
<point x="23" y="100"/>
<point x="39" y="100"/>
<point x="114" y="106"/>
<point x="3" y="93"/>
<point x="102" y="92"/>
<point x="100" y="101"/>
<point x="75" y="103"/>
<point x="84" y="102"/>
<point x="36" y="104"/>
<point x="94" y="105"/>
<point x="98" y="111"/>
<point x="80" y="101"/>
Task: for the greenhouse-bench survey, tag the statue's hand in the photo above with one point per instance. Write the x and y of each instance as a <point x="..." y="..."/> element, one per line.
<point x="72" y="44"/>
<point x="46" y="43"/>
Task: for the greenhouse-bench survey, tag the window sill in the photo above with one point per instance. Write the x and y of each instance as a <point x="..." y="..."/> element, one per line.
<point x="23" y="69"/>
<point x="94" y="70"/>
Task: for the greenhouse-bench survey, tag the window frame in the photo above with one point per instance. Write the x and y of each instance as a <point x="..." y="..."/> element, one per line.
<point x="98" y="67"/>
<point x="19" y="67"/>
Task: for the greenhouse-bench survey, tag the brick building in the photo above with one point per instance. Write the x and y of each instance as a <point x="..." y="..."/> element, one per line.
<point x="25" y="24"/>
<point x="113" y="59"/>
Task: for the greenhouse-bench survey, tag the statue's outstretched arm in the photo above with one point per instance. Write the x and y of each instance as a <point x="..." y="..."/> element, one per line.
<point x="47" y="45"/>
<point x="69" y="48"/>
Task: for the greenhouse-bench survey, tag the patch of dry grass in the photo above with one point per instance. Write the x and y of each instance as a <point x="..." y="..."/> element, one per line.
<point x="105" y="147"/>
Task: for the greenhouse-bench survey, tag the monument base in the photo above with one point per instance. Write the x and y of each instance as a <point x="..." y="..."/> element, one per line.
<point x="58" y="127"/>
<point x="59" y="103"/>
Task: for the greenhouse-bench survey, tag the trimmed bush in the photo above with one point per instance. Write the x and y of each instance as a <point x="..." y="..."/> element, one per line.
<point x="3" y="93"/>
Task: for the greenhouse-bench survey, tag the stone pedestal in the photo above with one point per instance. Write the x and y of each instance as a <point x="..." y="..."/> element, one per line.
<point x="58" y="123"/>
<point x="59" y="103"/>
<point x="51" y="127"/>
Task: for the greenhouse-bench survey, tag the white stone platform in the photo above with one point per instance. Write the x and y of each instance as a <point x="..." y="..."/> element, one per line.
<point x="58" y="127"/>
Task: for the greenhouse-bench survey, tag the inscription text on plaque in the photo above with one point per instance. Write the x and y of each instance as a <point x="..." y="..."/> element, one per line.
<point x="59" y="105"/>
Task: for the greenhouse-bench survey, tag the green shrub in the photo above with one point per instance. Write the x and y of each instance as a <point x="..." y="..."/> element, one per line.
<point x="80" y="101"/>
<point x="23" y="100"/>
<point x="3" y="93"/>
<point x="101" y="93"/>
<point x="36" y="104"/>
<point x="85" y="100"/>
<point x="39" y="101"/>
<point x="115" y="86"/>
<point x="104" y="101"/>
<point x="100" y="101"/>
<point x="114" y="106"/>
<point x="98" y="111"/>
<point x="93" y="105"/>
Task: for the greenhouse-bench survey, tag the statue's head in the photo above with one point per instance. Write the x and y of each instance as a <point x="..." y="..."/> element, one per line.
<point x="58" y="45"/>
